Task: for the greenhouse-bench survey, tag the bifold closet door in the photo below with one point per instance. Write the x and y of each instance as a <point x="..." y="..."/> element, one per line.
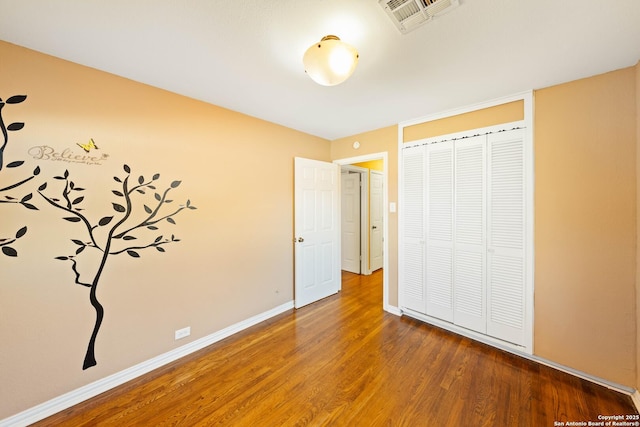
<point x="439" y="243"/>
<point x="470" y="250"/>
<point x="506" y="297"/>
<point x="413" y="233"/>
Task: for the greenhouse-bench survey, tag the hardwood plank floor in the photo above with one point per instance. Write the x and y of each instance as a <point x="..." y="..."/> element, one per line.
<point x="343" y="361"/>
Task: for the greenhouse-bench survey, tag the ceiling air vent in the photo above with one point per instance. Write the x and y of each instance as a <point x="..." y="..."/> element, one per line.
<point x="407" y="15"/>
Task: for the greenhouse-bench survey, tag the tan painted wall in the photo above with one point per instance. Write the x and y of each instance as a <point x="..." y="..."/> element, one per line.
<point x="637" y="384"/>
<point x="378" y="141"/>
<point x="585" y="225"/>
<point x="498" y="114"/>
<point x="234" y="259"/>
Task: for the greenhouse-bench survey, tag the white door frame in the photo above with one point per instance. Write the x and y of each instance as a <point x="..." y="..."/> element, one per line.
<point x="384" y="156"/>
<point x="364" y="215"/>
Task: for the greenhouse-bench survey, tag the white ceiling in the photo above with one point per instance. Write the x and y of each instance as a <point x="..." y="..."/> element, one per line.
<point x="246" y="55"/>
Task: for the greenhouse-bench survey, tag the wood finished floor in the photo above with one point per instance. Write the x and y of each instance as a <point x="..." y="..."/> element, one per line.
<point x="344" y="362"/>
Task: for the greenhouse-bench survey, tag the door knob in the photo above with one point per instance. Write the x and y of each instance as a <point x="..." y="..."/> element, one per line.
<point x="300" y="239"/>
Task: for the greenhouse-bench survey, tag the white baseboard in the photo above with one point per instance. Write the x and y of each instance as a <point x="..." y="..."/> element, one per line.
<point x="88" y="391"/>
<point x="636" y="400"/>
<point x="393" y="310"/>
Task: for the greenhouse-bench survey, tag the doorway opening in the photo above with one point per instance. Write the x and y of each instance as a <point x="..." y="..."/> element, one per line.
<point x="368" y="237"/>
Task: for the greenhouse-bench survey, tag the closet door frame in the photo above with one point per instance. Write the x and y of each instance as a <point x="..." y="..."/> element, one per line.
<point x="527" y="124"/>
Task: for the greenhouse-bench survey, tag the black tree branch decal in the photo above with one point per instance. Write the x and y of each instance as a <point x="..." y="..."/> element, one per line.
<point x="24" y="201"/>
<point x="112" y="235"/>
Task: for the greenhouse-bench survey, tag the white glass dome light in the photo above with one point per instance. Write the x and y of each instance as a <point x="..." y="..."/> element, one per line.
<point x="331" y="61"/>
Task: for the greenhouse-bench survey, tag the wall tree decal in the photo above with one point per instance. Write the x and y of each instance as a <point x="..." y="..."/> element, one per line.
<point x="25" y="200"/>
<point x="114" y="234"/>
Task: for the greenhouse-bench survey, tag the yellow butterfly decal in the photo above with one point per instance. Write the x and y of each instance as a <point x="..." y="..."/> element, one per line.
<point x="88" y="146"/>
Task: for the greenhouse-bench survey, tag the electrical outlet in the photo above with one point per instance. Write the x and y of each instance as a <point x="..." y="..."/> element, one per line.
<point x="184" y="332"/>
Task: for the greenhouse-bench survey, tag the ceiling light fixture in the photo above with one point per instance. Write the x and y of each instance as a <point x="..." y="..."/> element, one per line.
<point x="331" y="61"/>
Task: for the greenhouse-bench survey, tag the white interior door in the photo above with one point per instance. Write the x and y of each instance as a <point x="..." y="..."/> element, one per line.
<point x="411" y="260"/>
<point x="350" y="221"/>
<point x="506" y="260"/>
<point x="376" y="196"/>
<point x="317" y="230"/>
<point x="439" y="278"/>
<point x="469" y="231"/>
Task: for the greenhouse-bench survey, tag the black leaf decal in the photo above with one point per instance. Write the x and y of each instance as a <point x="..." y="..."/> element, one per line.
<point x="127" y="169"/>
<point x="78" y="200"/>
<point x="72" y="219"/>
<point x="66" y="174"/>
<point x="174" y="184"/>
<point x="147" y="209"/>
<point x="118" y="208"/>
<point x="21" y="232"/>
<point x="42" y="187"/>
<point x="15" y="164"/>
<point x="16" y="99"/>
<point x="171" y="220"/>
<point x="116" y="179"/>
<point x="78" y="242"/>
<point x="30" y="206"/>
<point x="140" y="179"/>
<point x="140" y="191"/>
<point x="80" y="249"/>
<point x="118" y="193"/>
<point x="160" y="248"/>
<point x="62" y="258"/>
<point x="15" y="126"/>
<point x="156" y="176"/>
<point x="133" y="254"/>
<point x="27" y="197"/>
<point x="157" y="196"/>
<point x="152" y="227"/>
<point x="129" y="238"/>
<point x="36" y="171"/>
<point x="9" y="251"/>
<point x="106" y="220"/>
<point x="158" y="239"/>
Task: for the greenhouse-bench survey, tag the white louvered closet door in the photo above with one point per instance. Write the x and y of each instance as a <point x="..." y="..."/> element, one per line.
<point x="439" y="247"/>
<point x="413" y="234"/>
<point x="506" y="236"/>
<point x="470" y="238"/>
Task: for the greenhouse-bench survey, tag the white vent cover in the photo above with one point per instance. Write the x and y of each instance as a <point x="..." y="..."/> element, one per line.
<point x="407" y="15"/>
